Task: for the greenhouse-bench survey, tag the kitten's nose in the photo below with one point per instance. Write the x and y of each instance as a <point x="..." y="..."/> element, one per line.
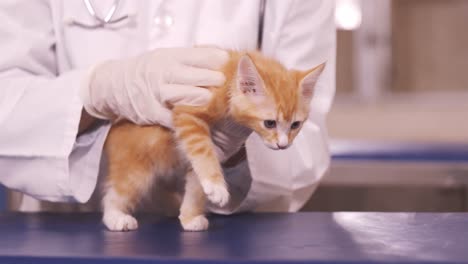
<point x="283" y="141"/>
<point x="282" y="146"/>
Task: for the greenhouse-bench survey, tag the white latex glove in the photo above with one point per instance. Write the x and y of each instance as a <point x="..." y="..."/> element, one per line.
<point x="228" y="137"/>
<point x="139" y="89"/>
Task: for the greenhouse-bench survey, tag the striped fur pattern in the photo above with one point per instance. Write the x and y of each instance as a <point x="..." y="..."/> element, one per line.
<point x="259" y="94"/>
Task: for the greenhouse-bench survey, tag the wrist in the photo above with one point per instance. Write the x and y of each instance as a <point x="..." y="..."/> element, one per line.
<point x="93" y="93"/>
<point x="237" y="158"/>
<point x="86" y="122"/>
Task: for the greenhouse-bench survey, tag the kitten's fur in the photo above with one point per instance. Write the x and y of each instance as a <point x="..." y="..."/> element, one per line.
<point x="256" y="89"/>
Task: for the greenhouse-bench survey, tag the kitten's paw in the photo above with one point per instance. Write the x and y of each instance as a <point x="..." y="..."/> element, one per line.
<point x="217" y="193"/>
<point x="198" y="223"/>
<point x="122" y="222"/>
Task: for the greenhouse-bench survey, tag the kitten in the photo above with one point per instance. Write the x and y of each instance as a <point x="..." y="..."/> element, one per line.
<point x="260" y="95"/>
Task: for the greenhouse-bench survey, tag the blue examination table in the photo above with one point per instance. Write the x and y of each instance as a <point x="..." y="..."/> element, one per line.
<point x="342" y="237"/>
<point x="308" y="237"/>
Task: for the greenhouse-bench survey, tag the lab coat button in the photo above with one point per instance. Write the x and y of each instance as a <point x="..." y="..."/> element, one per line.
<point x="163" y="21"/>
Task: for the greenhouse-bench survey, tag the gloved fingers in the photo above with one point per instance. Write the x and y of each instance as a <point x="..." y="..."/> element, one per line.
<point x="195" y="76"/>
<point x="176" y="94"/>
<point x="204" y="57"/>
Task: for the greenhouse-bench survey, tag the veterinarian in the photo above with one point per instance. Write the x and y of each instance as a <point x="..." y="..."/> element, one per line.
<point x="67" y="67"/>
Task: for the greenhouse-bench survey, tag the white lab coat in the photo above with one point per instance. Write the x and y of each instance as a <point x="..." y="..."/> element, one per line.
<point x="43" y="61"/>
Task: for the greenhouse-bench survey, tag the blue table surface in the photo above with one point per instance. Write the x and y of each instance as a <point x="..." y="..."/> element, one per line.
<point x="342" y="237"/>
<point x="403" y="151"/>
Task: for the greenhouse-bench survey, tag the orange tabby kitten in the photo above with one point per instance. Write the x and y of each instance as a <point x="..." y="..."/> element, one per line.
<point x="260" y="95"/>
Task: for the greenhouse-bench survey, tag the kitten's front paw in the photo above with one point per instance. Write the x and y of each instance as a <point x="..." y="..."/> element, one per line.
<point x="217" y="193"/>
<point x="197" y="223"/>
<point x="122" y="222"/>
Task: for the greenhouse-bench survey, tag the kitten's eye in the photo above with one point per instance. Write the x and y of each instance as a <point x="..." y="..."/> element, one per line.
<point x="269" y="123"/>
<point x="296" y="125"/>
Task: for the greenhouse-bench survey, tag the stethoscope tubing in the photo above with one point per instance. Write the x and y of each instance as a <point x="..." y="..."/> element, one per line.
<point x="101" y="23"/>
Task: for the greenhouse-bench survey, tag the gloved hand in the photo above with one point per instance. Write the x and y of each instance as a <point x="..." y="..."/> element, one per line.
<point x="228" y="138"/>
<point x="139" y="89"/>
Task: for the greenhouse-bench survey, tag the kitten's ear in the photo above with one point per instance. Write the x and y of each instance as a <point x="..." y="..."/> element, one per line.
<point x="308" y="82"/>
<point x="248" y="79"/>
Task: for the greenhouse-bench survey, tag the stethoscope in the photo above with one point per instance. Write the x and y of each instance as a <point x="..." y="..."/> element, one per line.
<point x="109" y="19"/>
<point x="100" y="22"/>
